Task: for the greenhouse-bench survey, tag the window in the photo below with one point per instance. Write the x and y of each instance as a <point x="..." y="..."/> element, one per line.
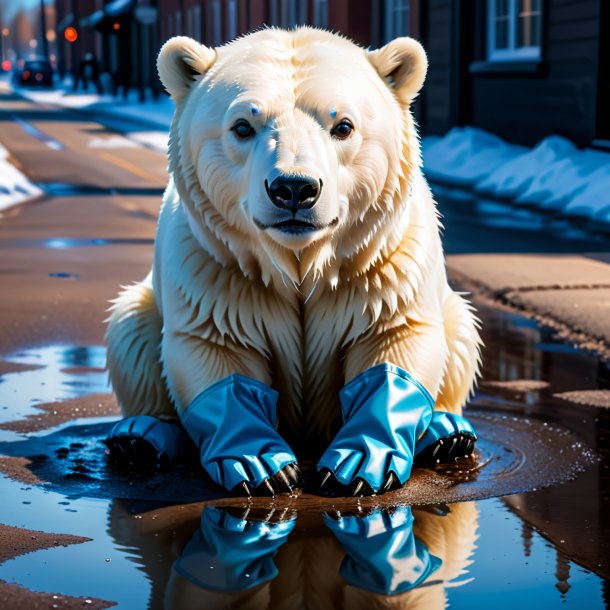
<point x="179" y="30"/>
<point x="514" y="30"/>
<point x="231" y="19"/>
<point x="396" y="19"/>
<point x="320" y="13"/>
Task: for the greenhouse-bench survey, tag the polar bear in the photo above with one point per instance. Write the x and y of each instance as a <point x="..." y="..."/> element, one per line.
<point x="298" y="303"/>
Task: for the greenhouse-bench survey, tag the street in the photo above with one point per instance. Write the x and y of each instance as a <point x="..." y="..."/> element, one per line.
<point x="96" y="225"/>
<point x="64" y="255"/>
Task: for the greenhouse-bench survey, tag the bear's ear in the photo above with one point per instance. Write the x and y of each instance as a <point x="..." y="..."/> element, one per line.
<point x="180" y="60"/>
<point x="403" y="64"/>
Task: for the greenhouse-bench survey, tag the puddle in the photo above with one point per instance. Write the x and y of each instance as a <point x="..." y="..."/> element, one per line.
<point x="66" y="189"/>
<point x="61" y="373"/>
<point x="40" y="135"/>
<point x="167" y="541"/>
<point x="480" y="225"/>
<point x="66" y="243"/>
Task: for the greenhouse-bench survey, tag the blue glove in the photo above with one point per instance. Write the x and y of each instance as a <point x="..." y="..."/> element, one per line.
<point x="385" y="411"/>
<point x="382" y="554"/>
<point x="448" y="437"/>
<point x="233" y="424"/>
<point x="230" y="554"/>
<point x="146" y="441"/>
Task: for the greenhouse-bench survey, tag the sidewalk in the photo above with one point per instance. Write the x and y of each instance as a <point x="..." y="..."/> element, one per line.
<point x="147" y="123"/>
<point x="570" y="293"/>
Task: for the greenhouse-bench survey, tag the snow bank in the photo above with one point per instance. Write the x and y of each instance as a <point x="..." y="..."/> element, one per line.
<point x="466" y="155"/>
<point x="15" y="188"/>
<point x="554" y="176"/>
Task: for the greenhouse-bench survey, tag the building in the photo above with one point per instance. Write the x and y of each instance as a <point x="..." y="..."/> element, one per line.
<point x="125" y="35"/>
<point x="522" y="69"/>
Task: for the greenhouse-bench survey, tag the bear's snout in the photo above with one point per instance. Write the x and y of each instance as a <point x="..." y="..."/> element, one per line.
<point x="294" y="193"/>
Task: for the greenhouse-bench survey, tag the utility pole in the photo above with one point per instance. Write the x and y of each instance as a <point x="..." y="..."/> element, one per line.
<point x="44" y="43"/>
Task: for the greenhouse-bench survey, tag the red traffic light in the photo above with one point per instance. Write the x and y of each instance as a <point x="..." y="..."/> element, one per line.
<point x="6" y="65"/>
<point x="70" y="34"/>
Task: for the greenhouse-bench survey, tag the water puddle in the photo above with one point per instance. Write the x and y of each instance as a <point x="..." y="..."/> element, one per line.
<point x="67" y="189"/>
<point x="58" y="373"/>
<point x="482" y="225"/>
<point x="40" y="135"/>
<point x="66" y="243"/>
<point x="170" y="541"/>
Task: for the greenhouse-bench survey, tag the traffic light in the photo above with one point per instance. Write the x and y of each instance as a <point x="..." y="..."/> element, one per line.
<point x="70" y="34"/>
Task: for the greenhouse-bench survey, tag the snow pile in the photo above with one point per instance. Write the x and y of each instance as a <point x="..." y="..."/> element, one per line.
<point x="15" y="188"/>
<point x="554" y="176"/>
<point x="466" y="155"/>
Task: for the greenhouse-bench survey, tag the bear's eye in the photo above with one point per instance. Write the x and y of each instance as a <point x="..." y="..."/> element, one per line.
<point x="243" y="130"/>
<point x="342" y="130"/>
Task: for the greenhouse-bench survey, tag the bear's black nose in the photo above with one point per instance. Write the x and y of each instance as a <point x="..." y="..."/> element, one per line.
<point x="294" y="192"/>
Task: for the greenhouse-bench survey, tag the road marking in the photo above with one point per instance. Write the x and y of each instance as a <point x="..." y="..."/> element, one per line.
<point x="38" y="134"/>
<point x="127" y="165"/>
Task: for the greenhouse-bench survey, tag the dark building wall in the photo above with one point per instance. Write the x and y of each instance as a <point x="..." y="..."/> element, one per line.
<point x="561" y="99"/>
<point x="436" y="29"/>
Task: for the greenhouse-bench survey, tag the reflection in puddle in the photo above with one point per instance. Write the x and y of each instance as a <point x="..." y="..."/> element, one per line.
<point x="376" y="553"/>
<point x="147" y="554"/>
<point x="63" y="243"/>
<point x="62" y="372"/>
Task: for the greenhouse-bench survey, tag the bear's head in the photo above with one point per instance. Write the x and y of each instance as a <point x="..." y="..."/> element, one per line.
<point x="293" y="151"/>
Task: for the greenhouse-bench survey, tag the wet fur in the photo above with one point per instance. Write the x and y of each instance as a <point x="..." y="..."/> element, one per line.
<point x="224" y="297"/>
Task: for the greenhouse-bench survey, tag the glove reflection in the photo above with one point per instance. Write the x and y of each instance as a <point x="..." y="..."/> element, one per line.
<point x="382" y="555"/>
<point x="229" y="553"/>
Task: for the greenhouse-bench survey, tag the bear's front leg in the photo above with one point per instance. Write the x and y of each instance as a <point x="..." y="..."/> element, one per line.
<point x="228" y="409"/>
<point x="388" y="406"/>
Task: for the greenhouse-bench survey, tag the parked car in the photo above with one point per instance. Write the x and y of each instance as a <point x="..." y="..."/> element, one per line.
<point x="36" y="72"/>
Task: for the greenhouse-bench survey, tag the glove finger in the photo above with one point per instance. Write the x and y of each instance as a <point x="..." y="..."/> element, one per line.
<point x="345" y="471"/>
<point x="401" y="466"/>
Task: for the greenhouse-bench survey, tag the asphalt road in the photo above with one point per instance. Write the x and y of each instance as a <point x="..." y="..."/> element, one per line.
<point x="66" y="254"/>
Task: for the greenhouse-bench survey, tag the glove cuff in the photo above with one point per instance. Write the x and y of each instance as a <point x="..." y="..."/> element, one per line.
<point x="233" y="424"/>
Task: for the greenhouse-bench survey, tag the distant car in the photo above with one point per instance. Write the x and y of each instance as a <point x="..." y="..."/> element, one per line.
<point x="36" y="73"/>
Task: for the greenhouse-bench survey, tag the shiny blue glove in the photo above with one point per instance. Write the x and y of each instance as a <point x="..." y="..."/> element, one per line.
<point x="385" y="411"/>
<point x="230" y="554"/>
<point x="448" y="437"/>
<point x="233" y="424"/>
<point x="382" y="555"/>
<point x="146" y="441"/>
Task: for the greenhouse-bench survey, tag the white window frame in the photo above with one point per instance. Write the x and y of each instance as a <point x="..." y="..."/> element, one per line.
<point x="513" y="52"/>
<point x="320" y="13"/>
<point x="396" y="19"/>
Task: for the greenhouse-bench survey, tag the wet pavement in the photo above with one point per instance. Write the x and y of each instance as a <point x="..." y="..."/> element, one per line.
<point x="526" y="523"/>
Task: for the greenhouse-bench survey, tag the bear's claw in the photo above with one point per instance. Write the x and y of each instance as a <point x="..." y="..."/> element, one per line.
<point x="448" y="449"/>
<point x="144" y="442"/>
<point x="449" y="437"/>
<point x="286" y="480"/>
<point x="330" y="485"/>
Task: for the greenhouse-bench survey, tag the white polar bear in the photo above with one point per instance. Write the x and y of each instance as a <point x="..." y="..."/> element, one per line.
<point x="298" y="246"/>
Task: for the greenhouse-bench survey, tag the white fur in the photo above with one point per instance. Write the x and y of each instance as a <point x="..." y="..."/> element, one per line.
<point x="304" y="314"/>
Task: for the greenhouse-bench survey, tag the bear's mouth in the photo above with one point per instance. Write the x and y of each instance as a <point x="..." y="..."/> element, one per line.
<point x="294" y="225"/>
